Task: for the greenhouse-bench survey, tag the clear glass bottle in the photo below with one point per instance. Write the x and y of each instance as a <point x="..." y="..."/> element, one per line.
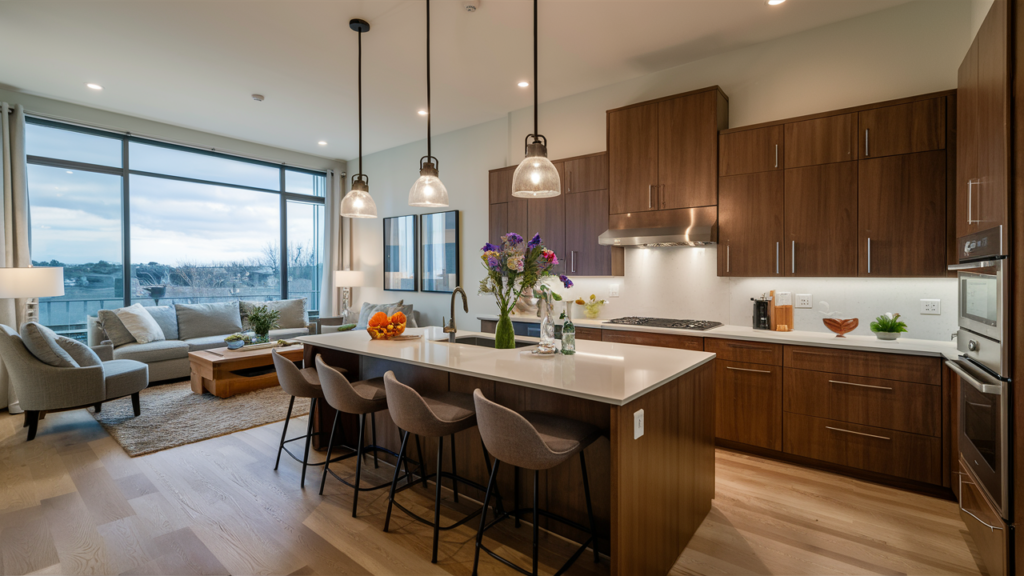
<point x="547" y="327"/>
<point x="568" y="331"/>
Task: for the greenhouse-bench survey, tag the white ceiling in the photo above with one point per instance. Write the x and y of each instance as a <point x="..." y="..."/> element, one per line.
<point x="195" y="63"/>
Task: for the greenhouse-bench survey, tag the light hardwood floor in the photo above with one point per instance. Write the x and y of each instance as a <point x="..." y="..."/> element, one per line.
<point x="72" y="502"/>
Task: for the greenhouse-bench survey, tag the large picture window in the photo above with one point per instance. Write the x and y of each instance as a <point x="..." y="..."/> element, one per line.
<point x="196" y="226"/>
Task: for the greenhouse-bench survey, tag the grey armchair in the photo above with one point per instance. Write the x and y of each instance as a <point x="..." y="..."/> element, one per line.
<point x="43" y="388"/>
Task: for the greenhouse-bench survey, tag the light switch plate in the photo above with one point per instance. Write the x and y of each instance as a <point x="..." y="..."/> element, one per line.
<point x="931" y="306"/>
<point x="638" y="424"/>
<point x="803" y="301"/>
<point x="613" y="291"/>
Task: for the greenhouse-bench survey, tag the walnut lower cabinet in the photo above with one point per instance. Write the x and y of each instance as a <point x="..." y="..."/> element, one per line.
<point x="748" y="403"/>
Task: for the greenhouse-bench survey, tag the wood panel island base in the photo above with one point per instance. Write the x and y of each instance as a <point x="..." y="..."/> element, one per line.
<point x="650" y="493"/>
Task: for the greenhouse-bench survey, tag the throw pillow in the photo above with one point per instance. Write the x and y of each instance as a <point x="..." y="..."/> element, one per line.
<point x="42" y="343"/>
<point x="140" y="323"/>
<point x="293" y="312"/>
<point x="79" y="352"/>
<point x="369" y="310"/>
<point x="200" y="320"/>
<point x="113" y="328"/>
<point x="410" y="319"/>
<point x="167" y="319"/>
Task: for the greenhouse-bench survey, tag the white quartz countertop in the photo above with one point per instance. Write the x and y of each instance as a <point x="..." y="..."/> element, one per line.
<point x="796" y="337"/>
<point x="607" y="372"/>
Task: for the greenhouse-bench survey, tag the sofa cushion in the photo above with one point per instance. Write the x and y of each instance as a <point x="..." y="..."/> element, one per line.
<point x="202" y="320"/>
<point x="42" y="343"/>
<point x="286" y="333"/>
<point x="410" y="316"/>
<point x="124" y="377"/>
<point x="79" y="352"/>
<point x="293" y="312"/>
<point x="206" y="342"/>
<point x="152" y="351"/>
<point x="368" y="310"/>
<point x="140" y="323"/>
<point x="113" y="329"/>
<point x="167" y="319"/>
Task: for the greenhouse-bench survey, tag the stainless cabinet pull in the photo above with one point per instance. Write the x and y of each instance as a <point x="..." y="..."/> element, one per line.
<point x="573" y="254"/>
<point x="748" y="370"/>
<point x="869" y="255"/>
<point x="776" y="155"/>
<point x="857" y="433"/>
<point x="970" y="192"/>
<point x="570" y="182"/>
<point x="776" y="257"/>
<point x="866" y="143"/>
<point x="859" y="385"/>
<point x="726" y="259"/>
<point x="793" y="258"/>
<point x="960" y="501"/>
<point x="650" y="191"/>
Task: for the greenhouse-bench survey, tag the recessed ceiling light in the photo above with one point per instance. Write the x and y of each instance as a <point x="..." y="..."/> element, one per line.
<point x="70" y="172"/>
<point x="322" y="143"/>
<point x="523" y="84"/>
<point x="94" y="86"/>
<point x="422" y="112"/>
<point x="775" y="2"/>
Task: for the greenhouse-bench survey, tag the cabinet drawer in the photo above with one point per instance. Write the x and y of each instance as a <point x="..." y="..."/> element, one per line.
<point x="748" y="403"/>
<point x="983" y="522"/>
<point x="740" y="351"/>
<point x="588" y="333"/>
<point x="890" y="404"/>
<point x="652" y="339"/>
<point x="891" y="452"/>
<point x="900" y="367"/>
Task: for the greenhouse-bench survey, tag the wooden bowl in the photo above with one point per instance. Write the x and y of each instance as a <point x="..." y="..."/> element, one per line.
<point x="384" y="333"/>
<point x="841" y="327"/>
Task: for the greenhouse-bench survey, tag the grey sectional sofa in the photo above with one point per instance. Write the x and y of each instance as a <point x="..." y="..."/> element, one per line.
<point x="188" y="328"/>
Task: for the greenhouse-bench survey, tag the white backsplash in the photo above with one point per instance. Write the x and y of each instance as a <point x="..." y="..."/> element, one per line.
<point x="683" y="283"/>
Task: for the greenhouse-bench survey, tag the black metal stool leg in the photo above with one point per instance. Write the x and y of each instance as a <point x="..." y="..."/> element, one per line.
<point x="590" y="506"/>
<point x="373" y="436"/>
<point x="483" y="515"/>
<point x="309" y="438"/>
<point x="284" y="432"/>
<point x="423" y="463"/>
<point x="359" y="464"/>
<point x="455" y="483"/>
<point x="437" y="499"/>
<point x="330" y="445"/>
<point x="515" y="495"/>
<point x="536" y="520"/>
<point x="394" y="481"/>
<point x="499" y="507"/>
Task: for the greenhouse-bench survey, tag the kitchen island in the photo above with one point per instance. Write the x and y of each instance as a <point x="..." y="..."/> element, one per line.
<point x="650" y="492"/>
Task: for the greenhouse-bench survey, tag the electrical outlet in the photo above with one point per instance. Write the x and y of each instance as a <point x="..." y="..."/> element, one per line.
<point x="613" y="291"/>
<point x="638" y="424"/>
<point x="803" y="301"/>
<point x="931" y="306"/>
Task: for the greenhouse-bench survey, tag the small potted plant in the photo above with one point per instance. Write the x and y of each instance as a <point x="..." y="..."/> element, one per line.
<point x="888" y="326"/>
<point x="235" y="341"/>
<point x="262" y="320"/>
<point x="592" y="307"/>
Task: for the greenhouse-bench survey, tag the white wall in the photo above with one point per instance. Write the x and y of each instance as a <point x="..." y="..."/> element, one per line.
<point x="912" y="49"/>
<point x="979" y="9"/>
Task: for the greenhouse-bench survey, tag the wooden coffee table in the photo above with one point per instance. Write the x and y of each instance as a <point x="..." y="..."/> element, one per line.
<point x="225" y="373"/>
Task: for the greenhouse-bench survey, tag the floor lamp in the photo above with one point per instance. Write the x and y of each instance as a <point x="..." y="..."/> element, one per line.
<point x="347" y="280"/>
<point x="34" y="282"/>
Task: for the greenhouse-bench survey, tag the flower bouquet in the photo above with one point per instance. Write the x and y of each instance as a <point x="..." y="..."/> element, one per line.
<point x="511" y="268"/>
<point x="381" y="327"/>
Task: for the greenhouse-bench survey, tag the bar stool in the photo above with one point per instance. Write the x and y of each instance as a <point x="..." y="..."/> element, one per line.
<point x="534" y="441"/>
<point x="299" y="383"/>
<point x="360" y="398"/>
<point x="435" y="415"/>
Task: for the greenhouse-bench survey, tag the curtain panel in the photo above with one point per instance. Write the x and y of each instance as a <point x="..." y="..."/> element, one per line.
<point x="332" y="243"/>
<point x="14" y="227"/>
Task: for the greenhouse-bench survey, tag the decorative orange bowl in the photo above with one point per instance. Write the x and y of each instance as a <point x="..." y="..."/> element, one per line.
<point x="382" y="327"/>
<point x="841" y="327"/>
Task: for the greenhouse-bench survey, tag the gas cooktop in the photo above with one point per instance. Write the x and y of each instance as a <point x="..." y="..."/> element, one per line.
<point x="667" y="323"/>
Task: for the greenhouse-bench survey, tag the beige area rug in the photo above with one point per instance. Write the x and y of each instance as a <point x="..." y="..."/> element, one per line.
<point x="173" y="416"/>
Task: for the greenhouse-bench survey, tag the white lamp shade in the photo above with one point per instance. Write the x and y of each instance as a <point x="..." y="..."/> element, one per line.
<point x="536" y="177"/>
<point x="33" y="282"/>
<point x="358" y="204"/>
<point x="428" y="192"/>
<point x="348" y="278"/>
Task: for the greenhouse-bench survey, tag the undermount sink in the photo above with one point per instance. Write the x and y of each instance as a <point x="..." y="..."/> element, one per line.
<point x="487" y="342"/>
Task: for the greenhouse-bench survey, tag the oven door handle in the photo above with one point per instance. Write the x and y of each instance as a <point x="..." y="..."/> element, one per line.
<point x="974" y="265"/>
<point x="983" y="388"/>
<point x="960" y="502"/>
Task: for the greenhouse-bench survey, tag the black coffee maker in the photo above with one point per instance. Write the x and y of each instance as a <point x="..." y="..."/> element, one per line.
<point x="761" y="321"/>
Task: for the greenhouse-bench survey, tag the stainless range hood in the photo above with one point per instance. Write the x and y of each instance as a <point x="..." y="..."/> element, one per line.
<point x="682" y="227"/>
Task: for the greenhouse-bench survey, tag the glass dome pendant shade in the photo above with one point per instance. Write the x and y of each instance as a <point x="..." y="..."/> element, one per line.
<point x="358" y="203"/>
<point x="428" y="191"/>
<point x="536" y="176"/>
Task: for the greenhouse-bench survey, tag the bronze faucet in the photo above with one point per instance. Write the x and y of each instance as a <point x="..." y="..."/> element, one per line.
<point x="449" y="328"/>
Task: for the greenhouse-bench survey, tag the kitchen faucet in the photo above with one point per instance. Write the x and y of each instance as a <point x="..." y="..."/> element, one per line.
<point x="450" y="328"/>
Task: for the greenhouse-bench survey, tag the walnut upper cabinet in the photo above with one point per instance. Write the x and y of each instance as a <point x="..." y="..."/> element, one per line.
<point x="750" y="231"/>
<point x="821" y="141"/>
<point x="663" y="154"/>
<point x="500" y="184"/>
<point x="917" y="126"/>
<point x="821" y="220"/>
<point x="749" y="151"/>
<point x="586" y="174"/>
<point x="983" y="101"/>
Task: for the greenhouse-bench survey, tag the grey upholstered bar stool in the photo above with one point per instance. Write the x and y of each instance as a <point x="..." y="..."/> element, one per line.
<point x="434" y="415"/>
<point x="298" y="383"/>
<point x="359" y="398"/>
<point x="534" y="441"/>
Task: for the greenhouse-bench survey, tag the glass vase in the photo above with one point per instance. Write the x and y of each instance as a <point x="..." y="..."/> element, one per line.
<point x="547" y="328"/>
<point x="504" y="333"/>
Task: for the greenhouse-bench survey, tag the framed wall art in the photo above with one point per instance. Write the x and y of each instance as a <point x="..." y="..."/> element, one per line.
<point x="439" y="243"/>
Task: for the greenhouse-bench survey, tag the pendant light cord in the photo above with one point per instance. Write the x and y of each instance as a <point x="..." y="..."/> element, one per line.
<point x="429" y="155"/>
<point x="360" y="102"/>
<point x="535" y="123"/>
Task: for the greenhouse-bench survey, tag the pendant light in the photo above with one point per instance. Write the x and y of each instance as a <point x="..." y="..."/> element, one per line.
<point x="536" y="176"/>
<point x="428" y="190"/>
<point x="358" y="203"/>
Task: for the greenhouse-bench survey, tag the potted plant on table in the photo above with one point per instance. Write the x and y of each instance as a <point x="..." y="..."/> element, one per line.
<point x="262" y="320"/>
<point x="235" y="341"/>
<point x="888" y="326"/>
<point x="511" y="268"/>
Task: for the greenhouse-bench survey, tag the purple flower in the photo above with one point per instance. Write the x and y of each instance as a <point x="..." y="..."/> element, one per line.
<point x="535" y="241"/>
<point x="493" y="263"/>
<point x="565" y="281"/>
<point x="490" y="248"/>
<point x="514" y="239"/>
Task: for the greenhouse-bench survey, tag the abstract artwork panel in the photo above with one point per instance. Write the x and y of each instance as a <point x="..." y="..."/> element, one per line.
<point x="400" y="253"/>
<point x="440" y="246"/>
